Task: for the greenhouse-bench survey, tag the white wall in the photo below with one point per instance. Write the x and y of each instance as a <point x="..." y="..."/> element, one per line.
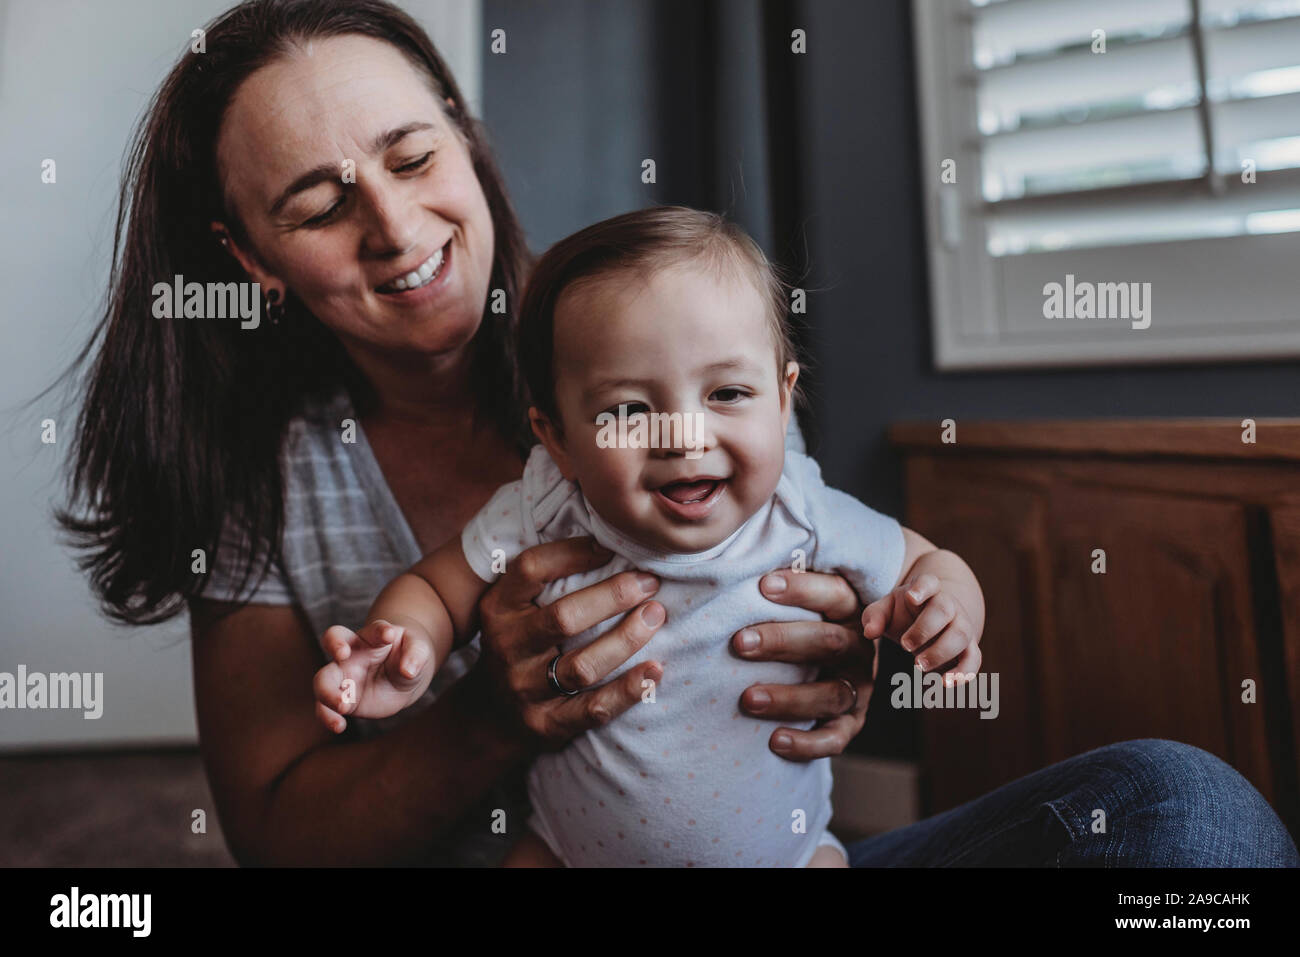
<point x="74" y="77"/>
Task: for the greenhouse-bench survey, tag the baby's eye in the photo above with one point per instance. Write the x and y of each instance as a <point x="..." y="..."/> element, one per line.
<point x="730" y="394"/>
<point x="627" y="409"/>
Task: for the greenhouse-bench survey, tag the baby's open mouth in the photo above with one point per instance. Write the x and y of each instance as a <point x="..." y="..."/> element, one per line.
<point x="692" y="500"/>
<point x="686" y="493"/>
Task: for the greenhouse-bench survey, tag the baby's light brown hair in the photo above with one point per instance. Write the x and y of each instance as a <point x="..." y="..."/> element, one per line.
<point x="641" y="242"/>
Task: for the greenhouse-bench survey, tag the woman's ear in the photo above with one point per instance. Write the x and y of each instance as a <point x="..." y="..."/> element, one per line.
<point x="247" y="261"/>
<point x="552" y="437"/>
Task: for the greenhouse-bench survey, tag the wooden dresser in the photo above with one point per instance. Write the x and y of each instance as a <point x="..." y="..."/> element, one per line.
<point x="1201" y="591"/>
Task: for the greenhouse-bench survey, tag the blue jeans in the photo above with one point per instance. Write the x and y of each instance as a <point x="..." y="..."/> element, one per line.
<point x="1166" y="804"/>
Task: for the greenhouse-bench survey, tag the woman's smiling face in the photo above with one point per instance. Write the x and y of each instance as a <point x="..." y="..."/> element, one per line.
<point x="359" y="196"/>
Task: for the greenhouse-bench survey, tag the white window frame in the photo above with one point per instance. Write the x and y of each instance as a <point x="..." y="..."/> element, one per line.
<point x="972" y="328"/>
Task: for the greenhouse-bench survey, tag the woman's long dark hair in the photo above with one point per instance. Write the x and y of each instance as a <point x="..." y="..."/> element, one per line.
<point x="182" y="421"/>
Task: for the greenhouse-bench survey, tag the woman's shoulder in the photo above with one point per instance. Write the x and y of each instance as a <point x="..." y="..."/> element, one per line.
<point x="322" y="424"/>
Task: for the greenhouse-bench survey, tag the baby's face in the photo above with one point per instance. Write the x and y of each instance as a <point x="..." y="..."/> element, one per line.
<point x="682" y="340"/>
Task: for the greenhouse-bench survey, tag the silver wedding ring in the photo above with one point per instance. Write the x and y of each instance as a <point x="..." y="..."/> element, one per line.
<point x="554" y="679"/>
<point x="854" y="688"/>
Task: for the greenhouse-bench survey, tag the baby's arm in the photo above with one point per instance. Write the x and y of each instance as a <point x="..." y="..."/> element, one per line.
<point x="935" y="610"/>
<point x="412" y="627"/>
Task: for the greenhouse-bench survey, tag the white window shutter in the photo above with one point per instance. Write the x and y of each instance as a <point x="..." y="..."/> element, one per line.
<point x="1122" y="166"/>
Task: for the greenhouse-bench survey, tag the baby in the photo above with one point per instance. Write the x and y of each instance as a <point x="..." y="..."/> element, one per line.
<point x="662" y="377"/>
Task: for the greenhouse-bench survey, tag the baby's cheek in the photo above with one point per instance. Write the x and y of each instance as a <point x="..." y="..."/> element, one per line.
<point x="763" y="467"/>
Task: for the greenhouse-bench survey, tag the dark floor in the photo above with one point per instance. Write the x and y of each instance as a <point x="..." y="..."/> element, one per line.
<point x="117" y="809"/>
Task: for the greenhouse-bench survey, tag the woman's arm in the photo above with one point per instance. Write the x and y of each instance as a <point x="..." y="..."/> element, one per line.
<point x="288" y="792"/>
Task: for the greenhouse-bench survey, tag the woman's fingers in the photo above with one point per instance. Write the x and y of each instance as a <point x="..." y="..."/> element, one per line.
<point x="828" y="595"/>
<point x="596" y="707"/>
<point x="801" y="642"/>
<point x="824" y="741"/>
<point x="588" y="666"/>
<point x="814" y="701"/>
<point x="577" y="611"/>
<point x="528" y="574"/>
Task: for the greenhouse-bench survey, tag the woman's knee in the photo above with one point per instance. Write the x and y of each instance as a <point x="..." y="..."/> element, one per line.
<point x="1185" y="807"/>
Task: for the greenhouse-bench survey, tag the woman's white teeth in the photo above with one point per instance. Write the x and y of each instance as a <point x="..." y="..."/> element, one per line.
<point x="418" y="277"/>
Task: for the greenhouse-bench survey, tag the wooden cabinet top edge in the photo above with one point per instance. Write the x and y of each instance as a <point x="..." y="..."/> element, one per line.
<point x="1218" y="438"/>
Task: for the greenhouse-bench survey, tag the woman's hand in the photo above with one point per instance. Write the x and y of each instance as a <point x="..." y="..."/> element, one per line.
<point x="520" y="640"/>
<point x="838" y="699"/>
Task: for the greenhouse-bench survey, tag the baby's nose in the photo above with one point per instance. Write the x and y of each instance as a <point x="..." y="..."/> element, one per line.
<point x="696" y="436"/>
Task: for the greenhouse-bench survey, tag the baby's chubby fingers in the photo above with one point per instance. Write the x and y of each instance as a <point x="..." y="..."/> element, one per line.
<point x="334" y="690"/>
<point x="408" y="658"/>
<point x="338" y="641"/>
<point x="877" y="616"/>
<point x="935" y="617"/>
<point x="331" y="718"/>
<point x="378" y="633"/>
<point x="890" y="615"/>
<point x="955" y="638"/>
<point x="967" y="666"/>
<point x="920" y="590"/>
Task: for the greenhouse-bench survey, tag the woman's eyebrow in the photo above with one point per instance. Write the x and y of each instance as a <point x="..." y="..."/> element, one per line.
<point x="329" y="171"/>
<point x="384" y="140"/>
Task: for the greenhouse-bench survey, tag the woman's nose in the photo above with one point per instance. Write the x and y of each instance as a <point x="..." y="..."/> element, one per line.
<point x="393" y="221"/>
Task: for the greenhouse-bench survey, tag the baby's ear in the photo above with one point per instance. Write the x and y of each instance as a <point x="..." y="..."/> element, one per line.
<point x="551" y="436"/>
<point x="787" y="390"/>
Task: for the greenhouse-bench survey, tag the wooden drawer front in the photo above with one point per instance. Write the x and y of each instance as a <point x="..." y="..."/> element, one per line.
<point x="1159" y="645"/>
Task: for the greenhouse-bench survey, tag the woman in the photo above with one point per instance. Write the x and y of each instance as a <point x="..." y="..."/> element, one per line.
<point x="273" y="478"/>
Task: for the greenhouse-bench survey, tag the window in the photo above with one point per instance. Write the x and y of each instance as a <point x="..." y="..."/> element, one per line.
<point x="1108" y="181"/>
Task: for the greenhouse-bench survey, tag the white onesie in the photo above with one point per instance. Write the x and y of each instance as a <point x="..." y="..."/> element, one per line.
<point x="688" y="779"/>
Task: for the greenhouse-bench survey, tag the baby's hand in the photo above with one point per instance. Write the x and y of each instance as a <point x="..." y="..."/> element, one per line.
<point x="928" y="621"/>
<point x="376" y="672"/>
